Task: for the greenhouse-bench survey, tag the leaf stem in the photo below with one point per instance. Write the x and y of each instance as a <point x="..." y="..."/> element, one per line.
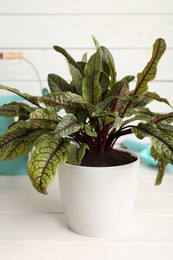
<point x="111" y="140"/>
<point x="105" y="134"/>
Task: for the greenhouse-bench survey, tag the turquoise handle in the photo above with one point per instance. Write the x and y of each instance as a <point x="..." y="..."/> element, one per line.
<point x="45" y="91"/>
<point x="134" y="146"/>
<point x="144" y="151"/>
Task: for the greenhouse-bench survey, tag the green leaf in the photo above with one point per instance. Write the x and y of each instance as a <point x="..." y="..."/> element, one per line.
<point x="108" y="65"/>
<point x="97" y="45"/>
<point x="143" y="114"/>
<point x="42" y="166"/>
<point x="103" y="105"/>
<point x="83" y="63"/>
<point x="57" y="83"/>
<point x="155" y="96"/>
<point x="68" y="57"/>
<point x="18" y="140"/>
<point x="43" y="118"/>
<point x="82" y="116"/>
<point x="63" y="100"/>
<point x="150" y="70"/>
<point x="14" y="109"/>
<point x="32" y="99"/>
<point x="114" y="118"/>
<point x="107" y="117"/>
<point x="42" y="124"/>
<point x="161" y="140"/>
<point x="128" y="78"/>
<point x="141" y="101"/>
<point x="89" y="108"/>
<point x="162" y="146"/>
<point x="76" y="153"/>
<point x="166" y="127"/>
<point x="104" y="82"/>
<point x="147" y="74"/>
<point x="161" y="165"/>
<point x="168" y="117"/>
<point x="44" y="114"/>
<point x="120" y="88"/>
<point x="77" y="78"/>
<point x="91" y="89"/>
<point x="67" y="126"/>
<point x="90" y="131"/>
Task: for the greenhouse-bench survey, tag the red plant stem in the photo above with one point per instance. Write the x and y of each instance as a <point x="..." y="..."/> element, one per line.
<point x="113" y="137"/>
<point x="126" y="132"/>
<point x="106" y="132"/>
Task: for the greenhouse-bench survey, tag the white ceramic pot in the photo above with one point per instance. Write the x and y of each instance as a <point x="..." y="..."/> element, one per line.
<point x="98" y="201"/>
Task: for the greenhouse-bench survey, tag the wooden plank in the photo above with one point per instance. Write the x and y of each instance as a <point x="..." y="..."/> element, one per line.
<point x="153" y="204"/>
<point x="127" y="62"/>
<point x="150" y="200"/>
<point x="26" y="198"/>
<point x="147" y="177"/>
<point x="46" y="235"/>
<point x="29" y="201"/>
<point x="77" y="6"/>
<point x="147" y="184"/>
<point x="53" y="227"/>
<point x="98" y="249"/>
<point x="117" y="31"/>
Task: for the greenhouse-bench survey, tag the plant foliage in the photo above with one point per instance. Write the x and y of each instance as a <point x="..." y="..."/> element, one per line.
<point x="97" y="110"/>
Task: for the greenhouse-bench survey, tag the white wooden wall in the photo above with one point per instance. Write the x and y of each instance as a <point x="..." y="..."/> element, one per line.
<point x="128" y="28"/>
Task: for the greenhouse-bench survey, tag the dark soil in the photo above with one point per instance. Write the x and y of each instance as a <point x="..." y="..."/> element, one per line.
<point x="110" y="158"/>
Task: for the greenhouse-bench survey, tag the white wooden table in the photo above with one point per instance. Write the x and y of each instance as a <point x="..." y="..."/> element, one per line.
<point x="33" y="226"/>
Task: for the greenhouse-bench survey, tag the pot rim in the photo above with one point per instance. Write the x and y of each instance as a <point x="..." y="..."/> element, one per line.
<point x="104" y="167"/>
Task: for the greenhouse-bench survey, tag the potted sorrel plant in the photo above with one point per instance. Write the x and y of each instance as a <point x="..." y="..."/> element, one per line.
<point x="75" y="128"/>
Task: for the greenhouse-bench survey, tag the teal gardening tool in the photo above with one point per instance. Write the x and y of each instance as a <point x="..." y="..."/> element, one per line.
<point x="143" y="150"/>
